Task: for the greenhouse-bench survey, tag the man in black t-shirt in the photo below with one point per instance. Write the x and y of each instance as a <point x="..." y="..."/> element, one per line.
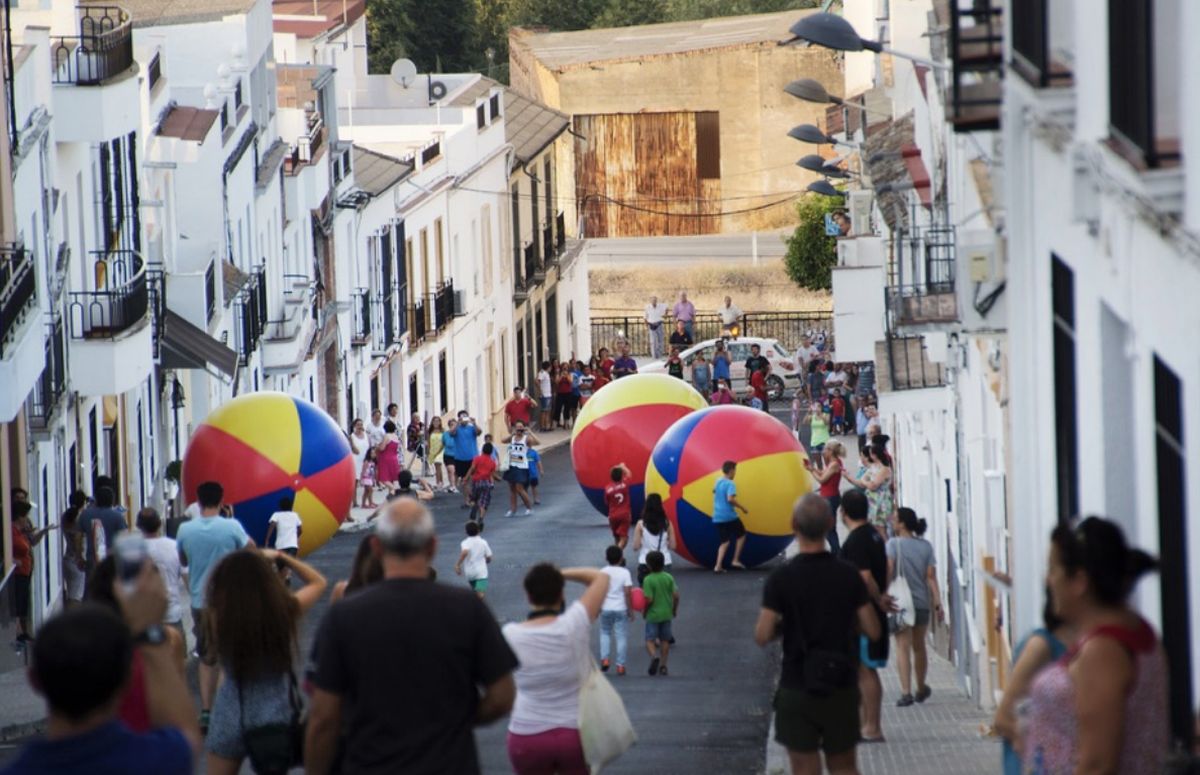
<point x="818" y="603"/>
<point x="398" y="665"/>
<point x="865" y="549"/>
<point x="680" y="338"/>
<point x="757" y="361"/>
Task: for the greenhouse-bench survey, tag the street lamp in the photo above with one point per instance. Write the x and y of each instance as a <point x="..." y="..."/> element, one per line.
<point x="832" y="31"/>
<point x="810" y="133"/>
<point x="824" y="187"/>
<point x="815" y="163"/>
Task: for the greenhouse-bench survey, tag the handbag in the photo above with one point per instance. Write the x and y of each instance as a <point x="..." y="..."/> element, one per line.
<point x="905" y="615"/>
<point x="275" y="748"/>
<point x="605" y="730"/>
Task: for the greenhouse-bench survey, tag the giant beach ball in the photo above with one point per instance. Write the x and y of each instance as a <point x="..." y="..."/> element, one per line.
<point x="620" y="423"/>
<point x="263" y="446"/>
<point x="686" y="465"/>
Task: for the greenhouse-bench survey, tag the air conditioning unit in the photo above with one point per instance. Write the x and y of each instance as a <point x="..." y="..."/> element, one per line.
<point x="460" y="303"/>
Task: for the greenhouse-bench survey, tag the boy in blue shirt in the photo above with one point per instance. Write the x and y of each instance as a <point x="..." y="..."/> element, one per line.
<point x="725" y="518"/>
<point x="535" y="474"/>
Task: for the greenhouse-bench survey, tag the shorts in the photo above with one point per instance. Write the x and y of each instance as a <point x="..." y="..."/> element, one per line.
<point x="21" y="595"/>
<point x="620" y="526"/>
<point x="533" y="481"/>
<point x="461" y="467"/>
<point x="291" y="550"/>
<point x="873" y="653"/>
<point x="806" y="723"/>
<point x="658" y="631"/>
<point x="922" y="617"/>
<point x="516" y="475"/>
<point x="448" y="460"/>
<point x="815" y="450"/>
<point x="479" y="585"/>
<point x="481" y="493"/>
<point x="544" y="402"/>
<point x="730" y="531"/>
<point x="200" y="633"/>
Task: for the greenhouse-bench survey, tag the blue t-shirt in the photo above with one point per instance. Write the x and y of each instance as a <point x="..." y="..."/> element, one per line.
<point x="465" y="445"/>
<point x="110" y="749"/>
<point x="720" y="368"/>
<point x="205" y="541"/>
<point x="534" y="459"/>
<point x="448" y="444"/>
<point x="722" y="508"/>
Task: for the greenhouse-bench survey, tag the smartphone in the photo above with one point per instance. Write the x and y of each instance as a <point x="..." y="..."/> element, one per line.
<point x="131" y="554"/>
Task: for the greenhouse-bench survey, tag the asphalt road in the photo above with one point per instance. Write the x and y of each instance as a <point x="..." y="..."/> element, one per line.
<point x="712" y="713"/>
<point x="735" y="248"/>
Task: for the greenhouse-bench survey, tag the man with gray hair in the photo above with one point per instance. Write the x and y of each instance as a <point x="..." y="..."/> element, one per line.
<point x="407" y="667"/>
<point x="819" y="604"/>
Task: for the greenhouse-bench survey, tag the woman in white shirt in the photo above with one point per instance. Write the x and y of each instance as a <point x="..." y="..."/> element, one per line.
<point x="359" y="444"/>
<point x="653" y="534"/>
<point x="552" y="646"/>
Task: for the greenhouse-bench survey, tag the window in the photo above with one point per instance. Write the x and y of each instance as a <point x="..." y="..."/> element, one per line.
<point x="1173" y="542"/>
<point x="237" y="94"/>
<point x="486" y="220"/>
<point x="1143" y="79"/>
<point x="516" y="232"/>
<point x="443" y="384"/>
<point x="412" y="393"/>
<point x="1066" y="438"/>
<point x="480" y="116"/>
<point x="708" y="145"/>
<point x="154" y="72"/>
<point x="439" y="251"/>
<point x="495" y="105"/>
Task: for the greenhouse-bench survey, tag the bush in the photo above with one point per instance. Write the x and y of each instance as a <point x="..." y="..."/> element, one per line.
<point x="811" y="254"/>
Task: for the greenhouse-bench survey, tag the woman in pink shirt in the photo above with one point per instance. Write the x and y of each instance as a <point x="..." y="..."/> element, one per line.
<point x="1102" y="708"/>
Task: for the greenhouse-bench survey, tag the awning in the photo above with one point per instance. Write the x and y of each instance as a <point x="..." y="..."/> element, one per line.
<point x="185" y="346"/>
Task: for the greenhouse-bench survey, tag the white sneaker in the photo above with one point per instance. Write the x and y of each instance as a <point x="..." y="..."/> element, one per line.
<point x="454" y="489"/>
<point x="528" y="513"/>
<point x="508" y="513"/>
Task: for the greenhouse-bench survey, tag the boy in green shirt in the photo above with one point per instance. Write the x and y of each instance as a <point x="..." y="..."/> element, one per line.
<point x="662" y="605"/>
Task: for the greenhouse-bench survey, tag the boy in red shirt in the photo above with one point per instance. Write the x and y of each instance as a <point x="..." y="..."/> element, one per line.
<point x="482" y="476"/>
<point x="758" y="383"/>
<point x="620" y="511"/>
<point x="838" y="406"/>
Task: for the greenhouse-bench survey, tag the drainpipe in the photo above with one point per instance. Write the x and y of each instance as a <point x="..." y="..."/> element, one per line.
<point x="9" y="75"/>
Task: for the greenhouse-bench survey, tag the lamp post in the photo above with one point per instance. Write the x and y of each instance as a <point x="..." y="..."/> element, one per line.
<point x="815" y="163"/>
<point x="824" y="188"/>
<point x="832" y="31"/>
<point x="177" y="403"/>
<point x="810" y="133"/>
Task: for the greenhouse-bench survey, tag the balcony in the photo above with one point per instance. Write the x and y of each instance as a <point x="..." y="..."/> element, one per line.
<point x="418" y="323"/>
<point x="903" y="363"/>
<point x="976" y="51"/>
<point x="21" y="356"/>
<point x="922" y="291"/>
<point x="443" y="305"/>
<point x="387" y="326"/>
<point x="44" y="398"/>
<point x="1135" y="119"/>
<point x="250" y="315"/>
<point x="535" y="271"/>
<point x="97" y="97"/>
<point x="1031" y="38"/>
<point x="110" y="327"/>
<point x="360" y="303"/>
<point x="18" y="295"/>
<point x="308" y="146"/>
<point x="560" y="233"/>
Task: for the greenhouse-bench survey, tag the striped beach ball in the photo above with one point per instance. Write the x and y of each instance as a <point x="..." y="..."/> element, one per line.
<point x="263" y="446"/>
<point x="686" y="465"/>
<point x="620" y="423"/>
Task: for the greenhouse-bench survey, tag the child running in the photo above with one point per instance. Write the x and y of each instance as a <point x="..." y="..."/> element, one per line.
<point x="474" y="558"/>
<point x="620" y="511"/>
<point x="481" y="477"/>
<point x="616" y="611"/>
<point x="662" y="605"/>
<point x="535" y="474"/>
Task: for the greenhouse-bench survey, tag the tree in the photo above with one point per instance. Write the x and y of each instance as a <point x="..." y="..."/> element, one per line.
<point x="811" y="253"/>
<point x="631" y="13"/>
<point x="438" y="35"/>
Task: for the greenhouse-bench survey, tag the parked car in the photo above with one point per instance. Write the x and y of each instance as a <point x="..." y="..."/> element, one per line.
<point x="783" y="368"/>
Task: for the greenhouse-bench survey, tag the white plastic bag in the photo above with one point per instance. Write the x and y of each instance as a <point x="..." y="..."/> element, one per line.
<point x="905" y="615"/>
<point x="604" y="726"/>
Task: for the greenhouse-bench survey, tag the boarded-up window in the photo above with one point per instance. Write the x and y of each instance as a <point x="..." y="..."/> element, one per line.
<point x="708" y="145"/>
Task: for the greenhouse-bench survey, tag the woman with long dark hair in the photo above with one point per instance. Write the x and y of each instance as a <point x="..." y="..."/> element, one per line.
<point x="387" y="466"/>
<point x="877" y="484"/>
<point x="366" y="569"/>
<point x="1102" y="708"/>
<point x="911" y="557"/>
<point x="829" y="477"/>
<point x="653" y="533"/>
<point x="253" y="621"/>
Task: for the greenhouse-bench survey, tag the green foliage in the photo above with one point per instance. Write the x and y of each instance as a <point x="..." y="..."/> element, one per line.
<point x="630" y="13"/>
<point x="811" y="254"/>
<point x="438" y="35"/>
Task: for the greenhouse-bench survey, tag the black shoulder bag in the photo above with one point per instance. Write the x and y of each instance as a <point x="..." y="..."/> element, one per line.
<point x="825" y="671"/>
<point x="275" y="748"/>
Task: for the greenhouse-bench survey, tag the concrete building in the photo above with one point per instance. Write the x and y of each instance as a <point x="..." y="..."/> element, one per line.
<point x="919" y="291"/>
<point x="676" y="124"/>
<point x="1101" y="141"/>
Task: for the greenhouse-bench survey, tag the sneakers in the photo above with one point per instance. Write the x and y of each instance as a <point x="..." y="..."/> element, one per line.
<point x="620" y="669"/>
<point x="528" y="513"/>
<point x="653" y="666"/>
<point x="923" y="693"/>
<point x="904" y="701"/>
<point x="604" y="665"/>
<point x="508" y="513"/>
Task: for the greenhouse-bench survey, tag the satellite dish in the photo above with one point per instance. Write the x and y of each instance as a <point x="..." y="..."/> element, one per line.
<point x="404" y="72"/>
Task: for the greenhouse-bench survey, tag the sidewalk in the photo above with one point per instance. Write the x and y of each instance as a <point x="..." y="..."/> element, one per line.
<point x="938" y="737"/>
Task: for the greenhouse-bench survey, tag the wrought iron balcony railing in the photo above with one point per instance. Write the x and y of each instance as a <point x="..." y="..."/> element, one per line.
<point x="418" y="321"/>
<point x="361" y="307"/>
<point x="535" y="272"/>
<point x="102" y="50"/>
<point x="44" y="397"/>
<point x="443" y="304"/>
<point x="18" y="291"/>
<point x="120" y="301"/>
